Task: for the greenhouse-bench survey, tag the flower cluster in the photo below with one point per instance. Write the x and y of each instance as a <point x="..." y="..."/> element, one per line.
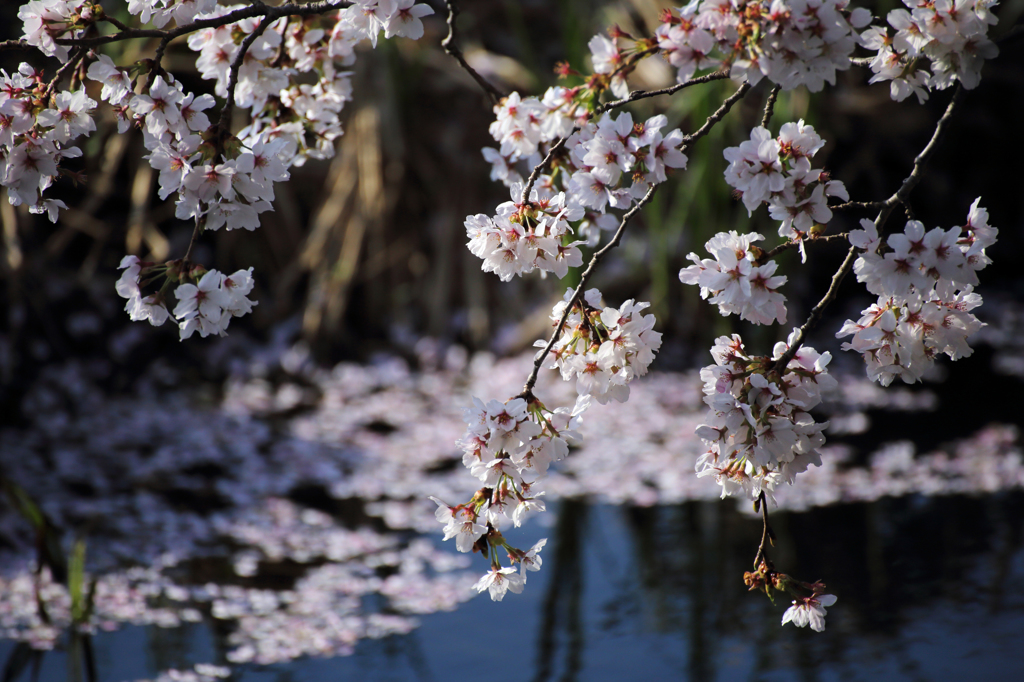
<point x="778" y="171"/>
<point x="790" y="42"/>
<point x="46" y="21"/>
<point x="520" y="238"/>
<point x="611" y="163"/>
<point x="508" y="446"/>
<point x="221" y="180"/>
<point x="758" y="428"/>
<point x="35" y="135"/>
<point x="604" y="348"/>
<point x="925" y="287"/>
<point x="206" y="306"/>
<point x="948" y="36"/>
<point x="735" y="279"/>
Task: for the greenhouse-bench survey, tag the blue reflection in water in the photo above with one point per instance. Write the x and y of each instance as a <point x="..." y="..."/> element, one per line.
<point x="929" y="589"/>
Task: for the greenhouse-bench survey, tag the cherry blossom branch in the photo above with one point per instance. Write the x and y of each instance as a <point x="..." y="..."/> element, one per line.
<point x="598" y="255"/>
<point x="451" y="48"/>
<point x="224" y="123"/>
<point x="633" y="97"/>
<point x="769" y="106"/>
<point x="899" y="197"/>
<point x="538" y="361"/>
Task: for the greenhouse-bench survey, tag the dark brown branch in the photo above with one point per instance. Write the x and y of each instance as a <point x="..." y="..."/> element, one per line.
<point x="451" y="47"/>
<point x="794" y="243"/>
<point x="849" y="205"/>
<point x="15" y="45"/>
<point x="644" y="94"/>
<point x="66" y="67"/>
<point x="899" y="197"/>
<point x="714" y="118"/>
<point x="769" y="106"/>
<point x="766" y="534"/>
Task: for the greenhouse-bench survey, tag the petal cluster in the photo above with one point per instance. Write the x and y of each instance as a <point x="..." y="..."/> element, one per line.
<point x="778" y="171"/>
<point x="736" y="280"/>
<point x="925" y="282"/>
<point x="603" y="348"/>
<point x="758" y="429"/>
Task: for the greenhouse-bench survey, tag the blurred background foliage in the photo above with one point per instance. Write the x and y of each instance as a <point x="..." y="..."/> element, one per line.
<point x="365" y="253"/>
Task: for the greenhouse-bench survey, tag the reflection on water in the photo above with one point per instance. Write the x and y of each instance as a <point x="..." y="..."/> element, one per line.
<point x="283" y="533"/>
<point x="929" y="589"/>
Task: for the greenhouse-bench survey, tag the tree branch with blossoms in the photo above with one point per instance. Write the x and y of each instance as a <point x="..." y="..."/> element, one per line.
<point x="590" y="169"/>
<point x="583" y="162"/>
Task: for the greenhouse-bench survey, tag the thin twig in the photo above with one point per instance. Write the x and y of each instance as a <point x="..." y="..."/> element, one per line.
<point x="18" y="44"/>
<point x="766" y="534"/>
<point x="714" y="118"/>
<point x="899" y="197"/>
<point x="644" y="94"/>
<point x="67" y="66"/>
<point x="769" y="106"/>
<point x="451" y="47"/>
<point x="250" y="11"/>
<point x="794" y="243"/>
<point x="849" y="205"/>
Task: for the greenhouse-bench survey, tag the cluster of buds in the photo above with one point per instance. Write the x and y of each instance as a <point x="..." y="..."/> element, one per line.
<point x="759" y="430"/>
<point x="809" y="600"/>
<point x="603" y="348"/>
<point x="925" y="287"/>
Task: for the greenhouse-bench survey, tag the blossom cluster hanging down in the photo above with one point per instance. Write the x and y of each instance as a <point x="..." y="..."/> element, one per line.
<point x="206" y="306"/>
<point x="509" y="447"/>
<point x="610" y="164"/>
<point x="218" y="180"/>
<point x="778" y="171"/>
<point x="735" y="279"/>
<point x="925" y="287"/>
<point x="758" y="429"/>
<point x="35" y="135"/>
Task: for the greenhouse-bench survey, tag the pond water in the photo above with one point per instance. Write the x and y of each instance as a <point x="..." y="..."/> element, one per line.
<point x="930" y="589"/>
<point x="278" y="529"/>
